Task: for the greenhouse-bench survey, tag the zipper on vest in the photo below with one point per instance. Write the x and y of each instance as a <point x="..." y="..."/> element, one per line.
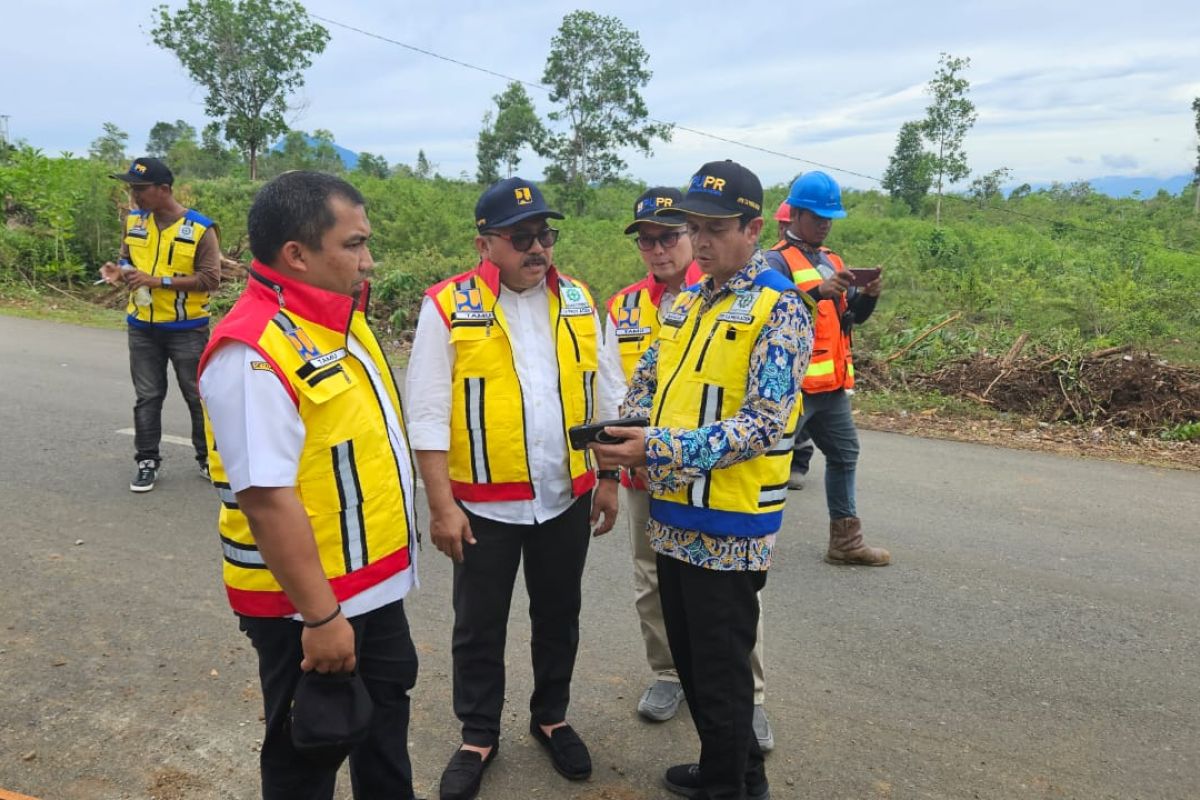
<point x="707" y="342"/>
<point x="574" y="339"/>
<point x="682" y="360"/>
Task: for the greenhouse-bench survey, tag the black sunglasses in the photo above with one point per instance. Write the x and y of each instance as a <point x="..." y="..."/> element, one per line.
<point x="521" y="242"/>
<point x="667" y="240"/>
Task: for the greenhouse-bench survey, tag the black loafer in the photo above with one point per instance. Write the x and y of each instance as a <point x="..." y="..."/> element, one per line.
<point x="684" y="780"/>
<point x="567" y="751"/>
<point x="464" y="773"/>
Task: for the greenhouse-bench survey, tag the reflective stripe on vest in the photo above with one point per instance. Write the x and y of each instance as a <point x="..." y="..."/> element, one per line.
<point x="348" y="476"/>
<point x="703" y="363"/>
<point x="171" y="253"/>
<point x="831" y="367"/>
<point x="488" y="457"/>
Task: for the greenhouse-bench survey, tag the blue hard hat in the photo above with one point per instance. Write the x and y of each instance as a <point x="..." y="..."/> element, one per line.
<point x="819" y="193"/>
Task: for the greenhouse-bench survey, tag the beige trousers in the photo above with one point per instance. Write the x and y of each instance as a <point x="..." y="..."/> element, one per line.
<point x="645" y="584"/>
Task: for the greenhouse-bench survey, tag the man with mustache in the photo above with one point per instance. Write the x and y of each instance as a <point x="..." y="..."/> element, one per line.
<point x="506" y="358"/>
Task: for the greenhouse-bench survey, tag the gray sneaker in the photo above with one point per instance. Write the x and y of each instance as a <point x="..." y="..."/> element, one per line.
<point x="660" y="702"/>
<point x="795" y="480"/>
<point x="762" y="730"/>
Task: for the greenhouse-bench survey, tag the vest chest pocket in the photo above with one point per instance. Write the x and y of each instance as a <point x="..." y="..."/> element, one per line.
<point x="478" y="347"/>
<point x="724" y="356"/>
<point x="139" y="251"/>
<point x="582" y="338"/>
<point x="182" y="254"/>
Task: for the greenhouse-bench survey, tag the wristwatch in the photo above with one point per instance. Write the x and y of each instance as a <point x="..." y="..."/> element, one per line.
<point x="166" y="281"/>
<point x="609" y="474"/>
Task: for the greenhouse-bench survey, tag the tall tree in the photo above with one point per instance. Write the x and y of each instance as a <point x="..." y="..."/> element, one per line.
<point x="989" y="185"/>
<point x="373" y="165"/>
<point x="947" y="119"/>
<point x="109" y="147"/>
<point x="515" y="125"/>
<point x="596" y="70"/>
<point x="1196" y="108"/>
<point x="249" y="55"/>
<point x="909" y="172"/>
<point x="423" y="170"/>
<point x="164" y="135"/>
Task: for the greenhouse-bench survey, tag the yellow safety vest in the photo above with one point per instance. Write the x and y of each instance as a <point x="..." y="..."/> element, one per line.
<point x="170" y="252"/>
<point x="832" y="365"/>
<point x="348" y="478"/>
<point x="488" y="456"/>
<point x="703" y="365"/>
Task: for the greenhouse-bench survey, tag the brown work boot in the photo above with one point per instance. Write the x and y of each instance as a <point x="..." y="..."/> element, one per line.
<point x="846" y="545"/>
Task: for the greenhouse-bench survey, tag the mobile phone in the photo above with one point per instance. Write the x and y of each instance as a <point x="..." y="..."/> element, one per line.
<point x="582" y="435"/>
<point x="861" y="277"/>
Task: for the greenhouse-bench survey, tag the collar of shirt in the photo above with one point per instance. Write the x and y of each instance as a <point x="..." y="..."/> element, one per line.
<point x="524" y="293"/>
<point x="741" y="281"/>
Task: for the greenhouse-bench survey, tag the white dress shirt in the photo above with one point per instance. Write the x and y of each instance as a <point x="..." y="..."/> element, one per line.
<point x="261" y="436"/>
<point x="430" y="374"/>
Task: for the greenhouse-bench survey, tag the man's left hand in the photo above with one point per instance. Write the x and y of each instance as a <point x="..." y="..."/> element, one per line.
<point x="136" y="279"/>
<point x="629" y="453"/>
<point x="604" y="502"/>
<point x="875" y="287"/>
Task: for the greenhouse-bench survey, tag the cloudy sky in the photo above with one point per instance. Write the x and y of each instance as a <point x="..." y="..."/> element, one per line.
<point x="1065" y="90"/>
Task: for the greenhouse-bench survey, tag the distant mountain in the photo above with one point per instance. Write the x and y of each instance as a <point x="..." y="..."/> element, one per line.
<point x="349" y="157"/>
<point x="1126" y="186"/>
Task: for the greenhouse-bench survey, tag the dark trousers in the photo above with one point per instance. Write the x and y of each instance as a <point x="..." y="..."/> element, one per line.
<point x="554" y="553"/>
<point x="387" y="662"/>
<point x="711" y="618"/>
<point x="149" y="351"/>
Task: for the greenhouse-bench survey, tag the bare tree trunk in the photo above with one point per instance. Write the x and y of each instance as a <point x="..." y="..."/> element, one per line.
<point x="1196" y="208"/>
<point x="253" y="161"/>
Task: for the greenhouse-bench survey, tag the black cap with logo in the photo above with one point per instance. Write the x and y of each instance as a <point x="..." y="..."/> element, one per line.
<point x="148" y="171"/>
<point x="654" y="200"/>
<point x="509" y="201"/>
<point x="331" y="713"/>
<point x="723" y="189"/>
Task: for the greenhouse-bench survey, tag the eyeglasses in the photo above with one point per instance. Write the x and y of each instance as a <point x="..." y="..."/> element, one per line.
<point x="521" y="242"/>
<point x="667" y="240"/>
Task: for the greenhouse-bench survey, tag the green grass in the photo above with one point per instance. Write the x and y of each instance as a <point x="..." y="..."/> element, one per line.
<point x="894" y="402"/>
<point x="45" y="303"/>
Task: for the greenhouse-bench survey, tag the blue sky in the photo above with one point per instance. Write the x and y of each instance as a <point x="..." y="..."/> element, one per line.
<point x="1064" y="90"/>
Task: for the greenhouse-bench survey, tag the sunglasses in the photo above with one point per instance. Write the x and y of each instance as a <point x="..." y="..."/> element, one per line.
<point x="667" y="240"/>
<point x="521" y="242"/>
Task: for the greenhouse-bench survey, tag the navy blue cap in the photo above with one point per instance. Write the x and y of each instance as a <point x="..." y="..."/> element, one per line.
<point x="146" y="170"/>
<point x="651" y="202"/>
<point x="509" y="201"/>
<point x="723" y="189"/>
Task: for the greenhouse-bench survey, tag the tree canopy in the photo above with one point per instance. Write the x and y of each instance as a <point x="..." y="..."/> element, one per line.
<point x="947" y="119"/>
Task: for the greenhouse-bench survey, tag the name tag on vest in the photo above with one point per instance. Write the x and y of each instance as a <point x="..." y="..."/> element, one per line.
<point x="742" y="307"/>
<point x="575" y="302"/>
<point x="186" y="233"/>
<point x="328" y="358"/>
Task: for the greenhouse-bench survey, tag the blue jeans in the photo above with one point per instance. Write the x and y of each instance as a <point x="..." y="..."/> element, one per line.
<point x="828" y="422"/>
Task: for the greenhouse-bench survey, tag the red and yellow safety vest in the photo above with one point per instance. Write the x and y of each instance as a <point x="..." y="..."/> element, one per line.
<point x="832" y="366"/>
<point x="348" y="477"/>
<point x="489" y="456"/>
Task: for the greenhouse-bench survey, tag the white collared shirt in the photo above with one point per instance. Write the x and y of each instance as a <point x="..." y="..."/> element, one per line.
<point x="428" y="393"/>
<point x="261" y="436"/>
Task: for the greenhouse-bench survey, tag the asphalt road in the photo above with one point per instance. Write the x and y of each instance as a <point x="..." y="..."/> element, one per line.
<point x="1035" y="637"/>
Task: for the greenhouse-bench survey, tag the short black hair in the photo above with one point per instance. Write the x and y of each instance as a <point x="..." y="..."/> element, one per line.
<point x="295" y="207"/>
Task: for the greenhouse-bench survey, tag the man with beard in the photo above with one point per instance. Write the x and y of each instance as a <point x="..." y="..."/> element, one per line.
<point x="506" y="358"/>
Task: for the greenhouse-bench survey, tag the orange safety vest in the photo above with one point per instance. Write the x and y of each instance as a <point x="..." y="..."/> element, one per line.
<point x="832" y="366"/>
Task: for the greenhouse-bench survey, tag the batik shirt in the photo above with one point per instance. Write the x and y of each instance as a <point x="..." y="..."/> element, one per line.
<point x="675" y="457"/>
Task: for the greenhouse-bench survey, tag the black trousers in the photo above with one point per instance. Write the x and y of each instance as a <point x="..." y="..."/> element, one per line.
<point x="711" y="618"/>
<point x="149" y="351"/>
<point x="387" y="662"/>
<point x="554" y="553"/>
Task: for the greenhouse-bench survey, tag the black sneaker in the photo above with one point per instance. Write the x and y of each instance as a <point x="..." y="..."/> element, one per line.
<point x="147" y="474"/>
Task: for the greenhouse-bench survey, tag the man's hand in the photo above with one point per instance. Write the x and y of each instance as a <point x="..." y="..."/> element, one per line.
<point x="835" y="284"/>
<point x="448" y="529"/>
<point x="604" y="501"/>
<point x="110" y="273"/>
<point x="629" y="453"/>
<point x="875" y="287"/>
<point x="136" y="279"/>
<point x="329" y="648"/>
